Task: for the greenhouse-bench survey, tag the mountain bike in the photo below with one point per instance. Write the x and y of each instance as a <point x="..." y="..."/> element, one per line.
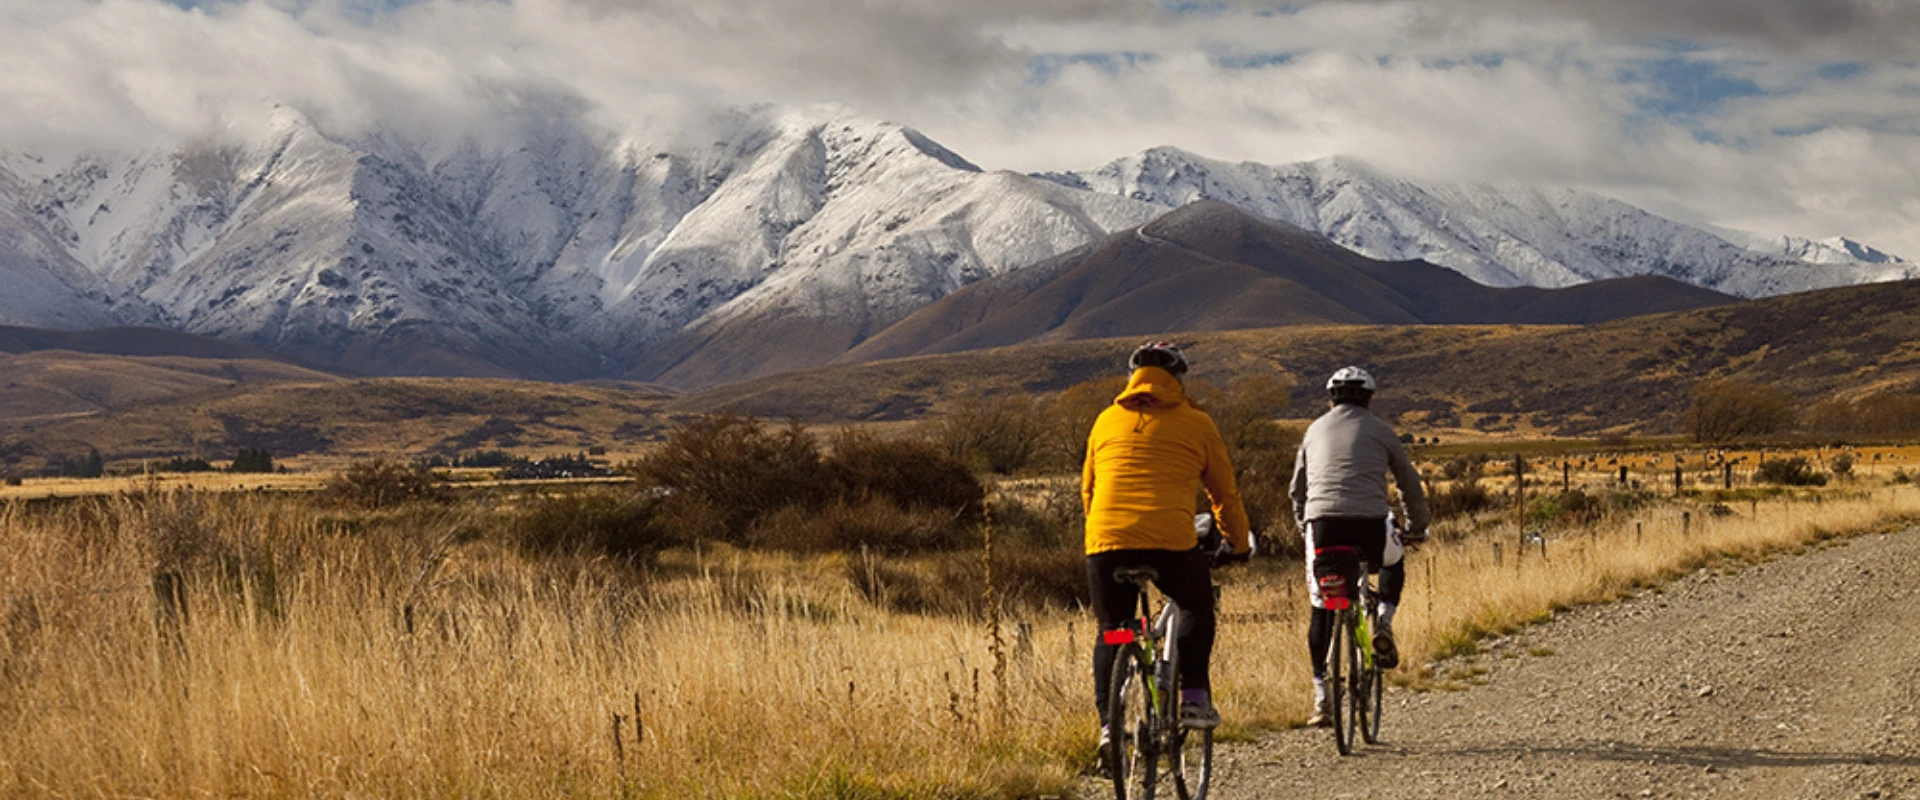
<point x="1353" y="675"/>
<point x="1143" y="705"/>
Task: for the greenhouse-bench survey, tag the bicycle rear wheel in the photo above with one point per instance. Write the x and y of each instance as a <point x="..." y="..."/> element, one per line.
<point x="1132" y="756"/>
<point x="1343" y="660"/>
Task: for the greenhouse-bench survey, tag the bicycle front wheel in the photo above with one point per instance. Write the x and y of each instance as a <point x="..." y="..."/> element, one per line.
<point x="1192" y="762"/>
<point x="1372" y="694"/>
<point x="1343" y="669"/>
<point x="1132" y="754"/>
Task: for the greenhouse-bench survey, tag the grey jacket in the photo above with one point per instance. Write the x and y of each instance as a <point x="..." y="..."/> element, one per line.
<point x="1342" y="467"/>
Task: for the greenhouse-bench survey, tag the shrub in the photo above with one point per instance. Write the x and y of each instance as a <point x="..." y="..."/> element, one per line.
<point x="909" y="473"/>
<point x="1793" y="471"/>
<point x="1901" y="476"/>
<point x="1467" y="468"/>
<point x="619" y="524"/>
<point x="1842" y="465"/>
<point x="1459" y="499"/>
<point x="1001" y="435"/>
<point x="184" y="464"/>
<point x="380" y="483"/>
<point x="733" y="470"/>
<point x="1572" y="507"/>
<point x="1047" y="519"/>
<point x="1723" y="410"/>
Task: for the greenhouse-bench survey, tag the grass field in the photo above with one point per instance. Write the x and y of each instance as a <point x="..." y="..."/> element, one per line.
<point x="413" y="653"/>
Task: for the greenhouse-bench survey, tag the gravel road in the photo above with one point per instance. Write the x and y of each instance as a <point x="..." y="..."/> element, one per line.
<point x="1796" y="678"/>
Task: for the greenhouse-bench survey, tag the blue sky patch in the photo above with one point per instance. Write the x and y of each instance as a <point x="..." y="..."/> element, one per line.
<point x="1682" y="86"/>
<point x="1042" y="69"/>
<point x="1252" y="60"/>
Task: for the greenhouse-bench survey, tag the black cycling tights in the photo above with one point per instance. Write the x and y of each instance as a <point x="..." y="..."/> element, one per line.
<point x="1184" y="577"/>
<point x="1393" y="580"/>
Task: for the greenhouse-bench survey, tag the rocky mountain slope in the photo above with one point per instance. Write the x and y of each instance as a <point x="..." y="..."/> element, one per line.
<point x="759" y="241"/>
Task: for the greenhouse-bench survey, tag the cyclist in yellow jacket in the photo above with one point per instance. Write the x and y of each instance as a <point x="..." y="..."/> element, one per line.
<point x="1148" y="456"/>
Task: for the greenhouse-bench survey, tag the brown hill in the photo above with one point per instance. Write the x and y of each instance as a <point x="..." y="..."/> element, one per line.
<point x="1210" y="266"/>
<point x="1573" y="379"/>
<point x="1630" y="374"/>
<point x="63" y="382"/>
<point x="349" y="418"/>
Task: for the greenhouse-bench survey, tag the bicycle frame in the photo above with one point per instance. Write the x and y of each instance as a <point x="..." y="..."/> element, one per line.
<point x="1160" y="641"/>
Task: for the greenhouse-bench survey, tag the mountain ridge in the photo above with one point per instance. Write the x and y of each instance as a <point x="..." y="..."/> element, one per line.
<point x="778" y="239"/>
<point x="1212" y="266"/>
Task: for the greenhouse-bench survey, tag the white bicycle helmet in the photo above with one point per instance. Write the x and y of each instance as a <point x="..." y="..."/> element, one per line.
<point x="1350" y="384"/>
<point x="1159" y="354"/>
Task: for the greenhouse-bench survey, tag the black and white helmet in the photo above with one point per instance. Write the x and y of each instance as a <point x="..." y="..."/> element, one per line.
<point x="1350" y="384"/>
<point x="1159" y="354"/>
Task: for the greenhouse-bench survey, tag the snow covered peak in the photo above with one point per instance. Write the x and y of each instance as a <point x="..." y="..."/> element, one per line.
<point x="1496" y="235"/>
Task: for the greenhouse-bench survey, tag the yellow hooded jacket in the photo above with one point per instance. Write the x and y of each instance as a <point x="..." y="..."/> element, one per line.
<point x="1147" y="456"/>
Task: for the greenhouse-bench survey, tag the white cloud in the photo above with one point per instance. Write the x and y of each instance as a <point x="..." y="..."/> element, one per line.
<point x="1498" y="90"/>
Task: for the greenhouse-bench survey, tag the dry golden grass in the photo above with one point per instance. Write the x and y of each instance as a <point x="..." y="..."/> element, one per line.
<point x="409" y="654"/>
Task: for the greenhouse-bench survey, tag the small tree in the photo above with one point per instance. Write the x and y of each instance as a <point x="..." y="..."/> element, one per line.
<point x="1723" y="410"/>
<point x="90" y="465"/>
<point x="252" y="459"/>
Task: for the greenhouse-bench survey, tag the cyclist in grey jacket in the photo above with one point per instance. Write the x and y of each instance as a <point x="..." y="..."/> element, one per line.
<point x="1339" y="496"/>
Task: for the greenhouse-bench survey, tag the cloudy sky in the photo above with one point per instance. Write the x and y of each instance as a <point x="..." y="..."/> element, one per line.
<point x="1782" y="116"/>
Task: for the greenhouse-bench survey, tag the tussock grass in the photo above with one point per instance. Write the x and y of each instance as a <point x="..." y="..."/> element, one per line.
<point x="420" y="652"/>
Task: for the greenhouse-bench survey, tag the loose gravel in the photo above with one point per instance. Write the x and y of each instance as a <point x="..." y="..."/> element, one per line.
<point x="1794" y="678"/>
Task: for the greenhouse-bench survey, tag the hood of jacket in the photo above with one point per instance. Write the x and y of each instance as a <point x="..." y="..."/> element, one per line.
<point x="1151" y="387"/>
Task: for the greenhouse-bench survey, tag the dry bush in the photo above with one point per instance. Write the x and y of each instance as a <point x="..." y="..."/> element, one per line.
<point x="1572" y="507"/>
<point x="1461" y="498"/>
<point x="726" y="471"/>
<point x="731" y="478"/>
<point x="1049" y="517"/>
<point x="999" y="434"/>
<point x="622" y="524"/>
<point x="1724" y="410"/>
<point x="1795" y="471"/>
<point x="909" y="473"/>
<point x="380" y="483"/>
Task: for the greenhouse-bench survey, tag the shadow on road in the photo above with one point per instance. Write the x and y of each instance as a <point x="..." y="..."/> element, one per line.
<point x="1701" y="756"/>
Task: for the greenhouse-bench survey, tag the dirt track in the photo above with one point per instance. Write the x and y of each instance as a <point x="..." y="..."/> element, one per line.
<point x="1798" y="678"/>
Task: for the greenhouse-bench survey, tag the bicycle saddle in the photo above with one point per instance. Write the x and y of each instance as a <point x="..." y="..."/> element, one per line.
<point x="1136" y="575"/>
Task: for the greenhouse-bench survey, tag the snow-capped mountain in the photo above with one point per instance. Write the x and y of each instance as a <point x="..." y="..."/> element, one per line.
<point x="570" y="255"/>
<point x="774" y="239"/>
<point x="1500" y="236"/>
<point x="1834" y="250"/>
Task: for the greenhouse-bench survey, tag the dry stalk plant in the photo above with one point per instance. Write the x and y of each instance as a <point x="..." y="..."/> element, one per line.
<point x="295" y="668"/>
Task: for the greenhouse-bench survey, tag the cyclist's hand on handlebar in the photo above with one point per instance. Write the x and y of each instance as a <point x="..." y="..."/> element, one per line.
<point x="1223" y="556"/>
<point x="1413" y="539"/>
